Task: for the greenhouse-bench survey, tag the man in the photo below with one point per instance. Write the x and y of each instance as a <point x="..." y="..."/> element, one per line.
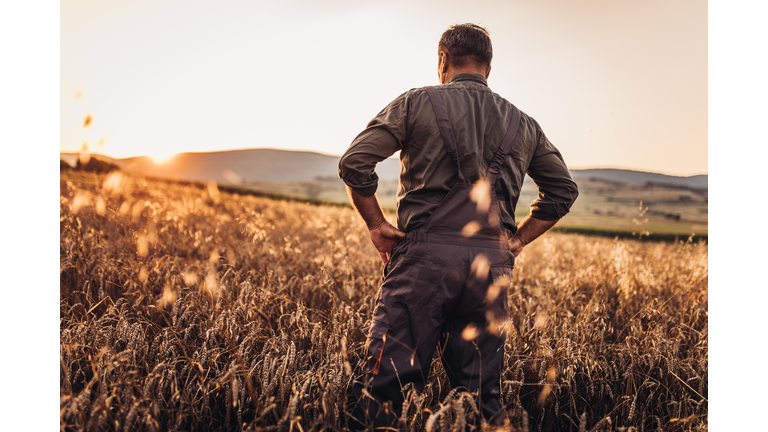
<point x="464" y="151"/>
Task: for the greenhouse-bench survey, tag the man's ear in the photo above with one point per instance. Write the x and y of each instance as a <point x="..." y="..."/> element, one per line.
<point x="443" y="62"/>
<point x="442" y="66"/>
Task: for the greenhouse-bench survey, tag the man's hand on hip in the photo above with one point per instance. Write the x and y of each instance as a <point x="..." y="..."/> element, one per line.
<point x="383" y="234"/>
<point x="384" y="238"/>
<point x="528" y="230"/>
<point x="515" y="245"/>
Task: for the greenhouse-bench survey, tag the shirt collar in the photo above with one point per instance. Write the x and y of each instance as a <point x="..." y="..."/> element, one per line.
<point x="469" y="77"/>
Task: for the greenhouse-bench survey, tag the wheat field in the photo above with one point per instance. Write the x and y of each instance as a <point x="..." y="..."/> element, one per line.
<point x="186" y="308"/>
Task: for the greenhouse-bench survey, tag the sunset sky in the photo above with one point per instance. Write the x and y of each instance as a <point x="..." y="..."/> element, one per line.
<point x="613" y="83"/>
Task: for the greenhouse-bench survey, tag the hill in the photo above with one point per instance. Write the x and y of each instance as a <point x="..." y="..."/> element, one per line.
<point x="634" y="178"/>
<point x="283" y="166"/>
<point x="250" y="165"/>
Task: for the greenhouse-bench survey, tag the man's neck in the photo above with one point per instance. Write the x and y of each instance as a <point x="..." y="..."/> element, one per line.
<point x="451" y="72"/>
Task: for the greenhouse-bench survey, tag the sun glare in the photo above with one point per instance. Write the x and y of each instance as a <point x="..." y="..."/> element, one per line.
<point x="161" y="158"/>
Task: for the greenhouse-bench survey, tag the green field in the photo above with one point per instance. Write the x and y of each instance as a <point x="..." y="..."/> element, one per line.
<point x="601" y="206"/>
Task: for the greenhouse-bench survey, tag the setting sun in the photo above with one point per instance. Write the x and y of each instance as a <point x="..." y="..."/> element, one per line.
<point x="160" y="157"/>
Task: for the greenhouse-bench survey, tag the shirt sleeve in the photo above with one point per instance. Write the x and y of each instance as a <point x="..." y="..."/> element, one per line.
<point x="383" y="136"/>
<point x="557" y="190"/>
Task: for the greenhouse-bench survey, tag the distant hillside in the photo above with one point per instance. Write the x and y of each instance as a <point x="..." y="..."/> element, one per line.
<point x="252" y="165"/>
<point x="282" y="166"/>
<point x="634" y="178"/>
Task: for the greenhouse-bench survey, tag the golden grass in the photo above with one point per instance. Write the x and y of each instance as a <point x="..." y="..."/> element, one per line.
<point x="187" y="308"/>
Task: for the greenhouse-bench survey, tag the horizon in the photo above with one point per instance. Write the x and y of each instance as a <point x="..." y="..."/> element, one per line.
<point x="395" y="156"/>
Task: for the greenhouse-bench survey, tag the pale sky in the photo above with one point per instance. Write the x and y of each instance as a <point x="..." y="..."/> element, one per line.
<point x="612" y="83"/>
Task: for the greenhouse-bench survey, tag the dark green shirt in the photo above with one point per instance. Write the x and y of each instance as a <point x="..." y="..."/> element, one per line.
<point x="479" y="119"/>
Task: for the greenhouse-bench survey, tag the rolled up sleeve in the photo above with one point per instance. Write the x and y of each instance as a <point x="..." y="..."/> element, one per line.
<point x="557" y="190"/>
<point x="383" y="136"/>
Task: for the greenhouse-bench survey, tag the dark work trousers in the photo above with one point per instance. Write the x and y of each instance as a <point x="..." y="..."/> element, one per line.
<point x="444" y="287"/>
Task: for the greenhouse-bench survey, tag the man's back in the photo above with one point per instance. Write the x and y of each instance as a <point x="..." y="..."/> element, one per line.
<point x="479" y="119"/>
<point x="436" y="288"/>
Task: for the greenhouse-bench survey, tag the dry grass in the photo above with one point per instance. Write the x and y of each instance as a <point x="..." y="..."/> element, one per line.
<point x="183" y="308"/>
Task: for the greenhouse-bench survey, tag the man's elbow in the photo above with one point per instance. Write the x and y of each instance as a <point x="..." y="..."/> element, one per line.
<point x="345" y="166"/>
<point x="563" y="201"/>
<point x="573" y="192"/>
<point x="569" y="195"/>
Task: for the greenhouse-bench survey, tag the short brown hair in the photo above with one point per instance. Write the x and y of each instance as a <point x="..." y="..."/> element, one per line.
<point x="467" y="43"/>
